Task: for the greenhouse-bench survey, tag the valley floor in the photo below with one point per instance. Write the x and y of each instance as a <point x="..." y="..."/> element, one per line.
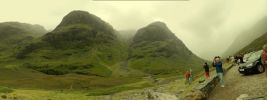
<point x="165" y="88"/>
<point x="237" y="84"/>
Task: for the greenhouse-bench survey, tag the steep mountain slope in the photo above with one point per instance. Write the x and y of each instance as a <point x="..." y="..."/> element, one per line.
<point x="13" y="34"/>
<point x="257" y="44"/>
<point x="156" y="50"/>
<point x="246" y="37"/>
<point x="82" y="43"/>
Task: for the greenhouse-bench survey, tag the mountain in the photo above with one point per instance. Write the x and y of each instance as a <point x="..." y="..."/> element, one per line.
<point x="156" y="50"/>
<point x="13" y="34"/>
<point x="246" y="37"/>
<point x="85" y="53"/>
<point x="80" y="28"/>
<point x="85" y="44"/>
<point x="255" y="45"/>
<point x="82" y="43"/>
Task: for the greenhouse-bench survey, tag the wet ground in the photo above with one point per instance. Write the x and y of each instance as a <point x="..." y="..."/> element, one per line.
<point x="237" y="84"/>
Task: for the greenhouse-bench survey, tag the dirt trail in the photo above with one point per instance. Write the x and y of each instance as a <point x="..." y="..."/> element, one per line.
<point x="237" y="84"/>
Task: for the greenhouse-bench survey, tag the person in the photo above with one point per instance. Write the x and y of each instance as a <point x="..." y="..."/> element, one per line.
<point x="241" y="58"/>
<point x="191" y="76"/>
<point x="206" y="68"/>
<point x="187" y="76"/>
<point x="217" y="63"/>
<point x="263" y="57"/>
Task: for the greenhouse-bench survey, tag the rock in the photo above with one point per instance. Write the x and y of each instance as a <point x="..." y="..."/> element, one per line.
<point x="242" y="96"/>
<point x="196" y="95"/>
<point x="3" y="96"/>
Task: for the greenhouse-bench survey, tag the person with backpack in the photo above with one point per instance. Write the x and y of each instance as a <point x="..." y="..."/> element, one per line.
<point x="264" y="57"/>
<point x="206" y="69"/>
<point x="217" y="63"/>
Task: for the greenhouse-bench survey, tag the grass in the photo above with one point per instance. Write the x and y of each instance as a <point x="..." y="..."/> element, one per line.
<point x="5" y="90"/>
<point x="116" y="89"/>
<point x="28" y="94"/>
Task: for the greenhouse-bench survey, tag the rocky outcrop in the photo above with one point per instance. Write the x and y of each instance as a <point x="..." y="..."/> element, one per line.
<point x="138" y="95"/>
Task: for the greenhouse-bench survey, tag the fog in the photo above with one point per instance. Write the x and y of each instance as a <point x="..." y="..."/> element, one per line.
<point x="207" y="27"/>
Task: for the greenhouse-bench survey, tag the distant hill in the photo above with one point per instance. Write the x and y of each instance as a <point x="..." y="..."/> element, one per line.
<point x="246" y="37"/>
<point x="156" y="50"/>
<point x="13" y="34"/>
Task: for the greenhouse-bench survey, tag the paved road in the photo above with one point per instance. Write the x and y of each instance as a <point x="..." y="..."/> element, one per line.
<point x="237" y="84"/>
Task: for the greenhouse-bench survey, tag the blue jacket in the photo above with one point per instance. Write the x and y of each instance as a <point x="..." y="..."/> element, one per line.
<point x="218" y="67"/>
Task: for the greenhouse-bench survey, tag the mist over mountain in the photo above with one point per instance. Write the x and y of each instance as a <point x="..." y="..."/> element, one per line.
<point x="247" y="36"/>
<point x="11" y="29"/>
<point x="126" y="35"/>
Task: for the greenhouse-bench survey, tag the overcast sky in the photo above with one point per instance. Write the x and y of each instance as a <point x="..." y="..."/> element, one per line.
<point x="207" y="27"/>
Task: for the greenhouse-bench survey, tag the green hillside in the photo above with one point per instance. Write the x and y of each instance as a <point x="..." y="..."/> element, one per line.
<point x="156" y="50"/>
<point x="85" y="53"/>
<point x="82" y="43"/>
<point x="14" y="34"/>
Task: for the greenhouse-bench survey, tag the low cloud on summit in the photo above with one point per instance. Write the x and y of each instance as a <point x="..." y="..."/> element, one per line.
<point x="207" y="27"/>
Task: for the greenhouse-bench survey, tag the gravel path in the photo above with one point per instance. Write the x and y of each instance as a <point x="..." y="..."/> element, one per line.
<point x="237" y="84"/>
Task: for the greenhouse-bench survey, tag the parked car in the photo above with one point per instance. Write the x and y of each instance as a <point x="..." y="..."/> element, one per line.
<point x="252" y="65"/>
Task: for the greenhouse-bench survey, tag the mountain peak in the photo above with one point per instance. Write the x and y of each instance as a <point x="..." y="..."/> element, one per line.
<point x="155" y="31"/>
<point x="80" y="28"/>
<point x="84" y="18"/>
<point x="159" y="24"/>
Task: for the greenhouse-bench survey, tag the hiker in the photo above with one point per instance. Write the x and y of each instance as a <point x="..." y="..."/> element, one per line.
<point x="241" y="58"/>
<point x="263" y="57"/>
<point x="187" y="77"/>
<point x="206" y="68"/>
<point x="217" y="63"/>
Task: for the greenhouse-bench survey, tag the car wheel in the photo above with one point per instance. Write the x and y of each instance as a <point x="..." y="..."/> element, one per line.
<point x="260" y="68"/>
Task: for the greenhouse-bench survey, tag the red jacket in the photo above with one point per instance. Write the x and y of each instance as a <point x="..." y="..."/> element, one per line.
<point x="187" y="74"/>
<point x="263" y="57"/>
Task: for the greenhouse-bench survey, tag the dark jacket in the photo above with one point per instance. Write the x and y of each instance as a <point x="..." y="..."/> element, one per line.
<point x="218" y="66"/>
<point x="206" y="67"/>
